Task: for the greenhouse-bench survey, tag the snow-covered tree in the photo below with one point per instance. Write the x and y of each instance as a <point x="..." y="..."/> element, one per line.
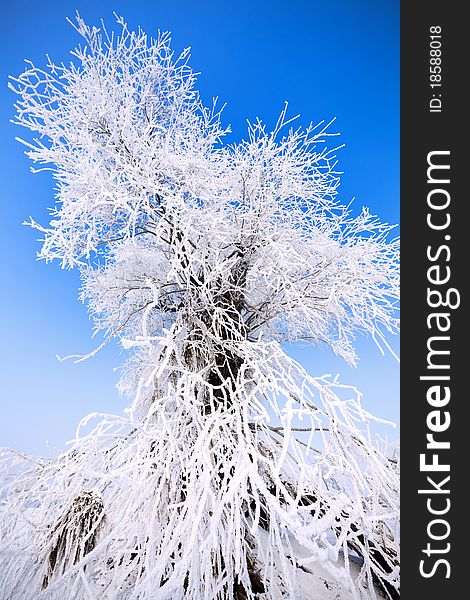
<point x="233" y="470"/>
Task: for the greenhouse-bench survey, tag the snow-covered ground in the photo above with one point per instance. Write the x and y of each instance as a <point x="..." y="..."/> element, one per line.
<point x="315" y="580"/>
<point x="318" y="585"/>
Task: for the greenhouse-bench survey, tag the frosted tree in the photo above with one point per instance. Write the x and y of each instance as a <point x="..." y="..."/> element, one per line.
<point x="233" y="470"/>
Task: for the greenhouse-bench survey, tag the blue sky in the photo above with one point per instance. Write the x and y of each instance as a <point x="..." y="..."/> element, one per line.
<point x="327" y="60"/>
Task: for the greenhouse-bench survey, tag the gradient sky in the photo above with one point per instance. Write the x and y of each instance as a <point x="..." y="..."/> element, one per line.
<point x="327" y="60"/>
